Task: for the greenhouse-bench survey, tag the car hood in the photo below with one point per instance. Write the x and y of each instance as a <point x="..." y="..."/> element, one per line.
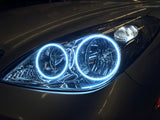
<point x="23" y="29"/>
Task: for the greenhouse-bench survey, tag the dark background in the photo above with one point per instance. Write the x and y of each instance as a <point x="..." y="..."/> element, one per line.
<point x="11" y="4"/>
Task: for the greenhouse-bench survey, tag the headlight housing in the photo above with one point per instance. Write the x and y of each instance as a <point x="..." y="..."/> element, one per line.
<point x="88" y="60"/>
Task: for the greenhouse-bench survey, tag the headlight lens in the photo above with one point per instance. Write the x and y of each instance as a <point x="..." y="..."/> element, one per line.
<point x="87" y="61"/>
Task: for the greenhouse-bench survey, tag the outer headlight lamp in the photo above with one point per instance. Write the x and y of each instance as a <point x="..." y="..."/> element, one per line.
<point x="89" y="61"/>
<point x="94" y="64"/>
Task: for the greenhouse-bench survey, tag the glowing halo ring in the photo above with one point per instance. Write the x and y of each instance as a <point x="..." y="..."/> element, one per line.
<point x="37" y="59"/>
<point x="109" y="76"/>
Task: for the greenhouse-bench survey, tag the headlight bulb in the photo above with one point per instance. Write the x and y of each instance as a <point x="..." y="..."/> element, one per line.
<point x="126" y="33"/>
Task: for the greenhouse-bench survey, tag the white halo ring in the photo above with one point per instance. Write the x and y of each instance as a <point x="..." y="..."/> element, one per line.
<point x="37" y="61"/>
<point x="110" y="75"/>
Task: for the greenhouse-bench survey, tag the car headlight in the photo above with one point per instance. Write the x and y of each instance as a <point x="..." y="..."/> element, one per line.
<point x="86" y="60"/>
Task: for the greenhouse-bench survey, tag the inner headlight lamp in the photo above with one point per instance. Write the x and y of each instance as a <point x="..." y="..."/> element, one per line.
<point x="51" y="61"/>
<point x="87" y="62"/>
